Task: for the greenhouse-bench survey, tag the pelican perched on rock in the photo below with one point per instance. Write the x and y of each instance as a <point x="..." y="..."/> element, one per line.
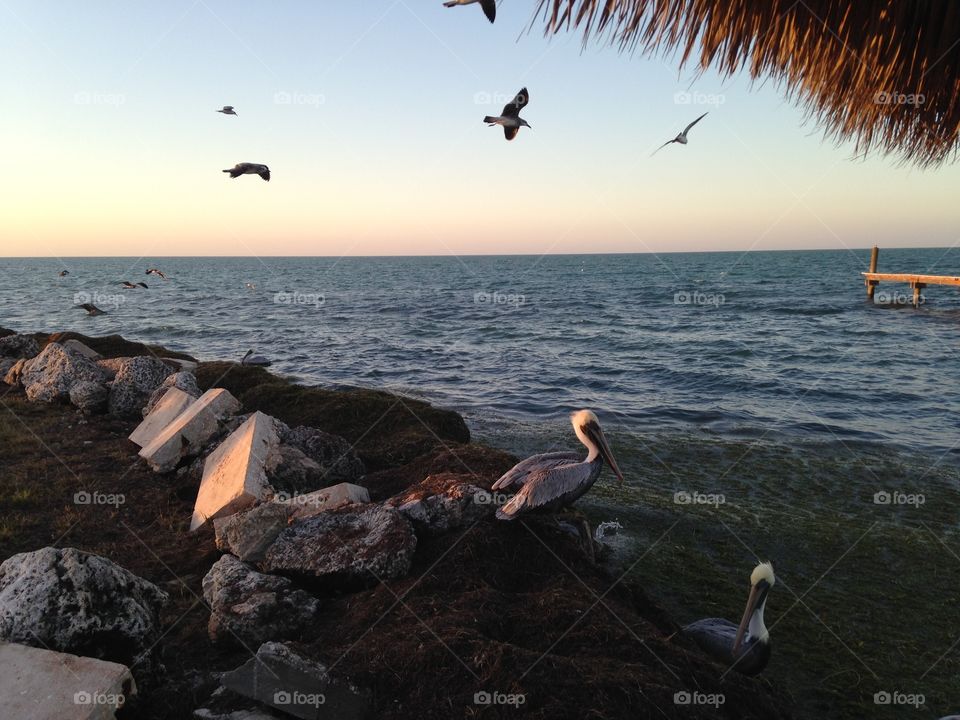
<point x="489" y="6"/>
<point x="510" y="117"/>
<point x="554" y="480"/>
<point x="249" y="169"/>
<point x="91" y="309"/>
<point x="745" y="647"/>
<point x="227" y="110"/>
<point x="251" y="359"/>
<point x="681" y="138"/>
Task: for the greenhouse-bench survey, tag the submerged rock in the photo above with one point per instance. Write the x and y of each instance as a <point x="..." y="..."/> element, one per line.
<point x="72" y="601"/>
<point x="50" y="375"/>
<point x="183" y="381"/>
<point x="253" y="607"/>
<point x="351" y="548"/>
<point x="89" y="396"/>
<point x="19" y="346"/>
<point x="134" y="383"/>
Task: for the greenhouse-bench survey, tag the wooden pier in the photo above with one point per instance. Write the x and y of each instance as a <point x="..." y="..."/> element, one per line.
<point x="916" y="281"/>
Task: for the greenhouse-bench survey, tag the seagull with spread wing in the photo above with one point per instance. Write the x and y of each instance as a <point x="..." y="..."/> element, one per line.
<point x="510" y="117"/>
<point x="489" y="6"/>
<point x="681" y="138"/>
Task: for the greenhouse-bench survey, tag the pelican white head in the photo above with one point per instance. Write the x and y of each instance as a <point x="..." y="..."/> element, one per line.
<point x="751" y="625"/>
<point x="588" y="430"/>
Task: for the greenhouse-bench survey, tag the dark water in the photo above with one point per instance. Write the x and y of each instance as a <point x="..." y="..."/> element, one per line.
<point x="764" y="379"/>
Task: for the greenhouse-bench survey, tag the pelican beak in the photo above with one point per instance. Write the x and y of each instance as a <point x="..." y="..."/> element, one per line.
<point x="601" y="441"/>
<point x="752" y="601"/>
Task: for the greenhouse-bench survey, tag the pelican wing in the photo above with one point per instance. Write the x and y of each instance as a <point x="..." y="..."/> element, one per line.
<point x="714" y="636"/>
<point x="265" y="173"/>
<point x="687" y="128"/>
<point x="489" y="9"/>
<point x="547" y="486"/>
<point x="513" y="108"/>
<point x="518" y="475"/>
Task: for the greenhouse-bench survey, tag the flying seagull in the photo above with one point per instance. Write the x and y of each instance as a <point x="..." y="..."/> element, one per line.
<point x="258" y="360"/>
<point x="510" y="117"/>
<point x="744" y="647"/>
<point x="489" y="6"/>
<point x="154" y="271"/>
<point x="91" y="309"/>
<point x="249" y="169"/>
<point x="681" y="138"/>
<point x="227" y="110"/>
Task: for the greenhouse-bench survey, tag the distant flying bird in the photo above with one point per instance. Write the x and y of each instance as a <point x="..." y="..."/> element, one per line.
<point x="91" y="309"/>
<point x="489" y="6"/>
<point x="510" y="117"/>
<point x="130" y="286"/>
<point x="249" y="169"/>
<point x="681" y="138"/>
<point x="251" y="359"/>
<point x="64" y="273"/>
<point x="227" y="110"/>
<point x="154" y="271"/>
<point x="744" y="647"/>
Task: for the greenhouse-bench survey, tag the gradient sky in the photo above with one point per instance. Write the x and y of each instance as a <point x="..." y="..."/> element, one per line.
<point x="369" y="115"/>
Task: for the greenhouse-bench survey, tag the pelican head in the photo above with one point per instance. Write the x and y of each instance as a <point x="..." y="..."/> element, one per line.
<point x="751" y="625"/>
<point x="524" y="123"/>
<point x="588" y="430"/>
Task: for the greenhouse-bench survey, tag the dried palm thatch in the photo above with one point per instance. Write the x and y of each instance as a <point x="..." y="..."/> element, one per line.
<point x="885" y="73"/>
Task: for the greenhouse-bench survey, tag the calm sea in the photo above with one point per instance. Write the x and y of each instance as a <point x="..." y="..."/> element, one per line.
<point x="758" y="405"/>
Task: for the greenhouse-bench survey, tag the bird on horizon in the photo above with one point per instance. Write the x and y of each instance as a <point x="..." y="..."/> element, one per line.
<point x="154" y="271"/>
<point x="249" y="169"/>
<point x="510" y="117"/>
<point x="489" y="6"/>
<point x="131" y="286"/>
<point x="227" y="110"/>
<point x="91" y="309"/>
<point x="681" y="138"/>
<point x="744" y="647"/>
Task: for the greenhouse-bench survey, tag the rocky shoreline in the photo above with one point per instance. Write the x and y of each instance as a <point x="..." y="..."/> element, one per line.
<point x="343" y="559"/>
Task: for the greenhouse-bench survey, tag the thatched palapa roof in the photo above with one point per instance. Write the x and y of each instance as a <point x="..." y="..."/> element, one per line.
<point x="885" y="73"/>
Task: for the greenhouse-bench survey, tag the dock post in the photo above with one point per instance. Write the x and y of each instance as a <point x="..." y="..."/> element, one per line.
<point x="917" y="287"/>
<point x="872" y="284"/>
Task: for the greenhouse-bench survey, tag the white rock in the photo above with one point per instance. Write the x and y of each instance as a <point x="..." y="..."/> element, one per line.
<point x="187" y="433"/>
<point x="326" y="499"/>
<point x="84" y="350"/>
<point x="235" y="474"/>
<point x="39" y="684"/>
<point x="171" y="405"/>
<point x="50" y="375"/>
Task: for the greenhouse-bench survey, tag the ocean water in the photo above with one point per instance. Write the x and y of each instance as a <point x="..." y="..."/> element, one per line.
<point x="758" y="405"/>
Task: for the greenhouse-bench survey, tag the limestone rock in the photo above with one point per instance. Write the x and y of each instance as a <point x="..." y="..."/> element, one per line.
<point x="444" y="502"/>
<point x="336" y="458"/>
<point x="19" y="346"/>
<point x="89" y="396"/>
<point x="183" y="381"/>
<point x="134" y="383"/>
<point x="346" y="549"/>
<point x="110" y="366"/>
<point x="76" y="345"/>
<point x="50" y="375"/>
<point x="163" y="413"/>
<point x="72" y="601"/>
<point x="331" y="498"/>
<point x="249" y="533"/>
<point x="14" y="373"/>
<point x="253" y="607"/>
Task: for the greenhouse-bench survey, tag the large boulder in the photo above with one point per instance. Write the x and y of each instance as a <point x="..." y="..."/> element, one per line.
<point x="89" y="396"/>
<point x="352" y="548"/>
<point x="50" y="375"/>
<point x="134" y="383"/>
<point x="71" y="601"/>
<point x="253" y="608"/>
<point x="334" y="455"/>
<point x="183" y="381"/>
<point x="444" y="502"/>
<point x="19" y="346"/>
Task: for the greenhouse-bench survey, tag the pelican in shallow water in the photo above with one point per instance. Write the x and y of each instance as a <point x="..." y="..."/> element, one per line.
<point x="251" y="359"/>
<point x="745" y="647"/>
<point x="554" y="480"/>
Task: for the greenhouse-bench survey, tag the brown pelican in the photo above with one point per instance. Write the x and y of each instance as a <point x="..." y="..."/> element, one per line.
<point x="154" y="271"/>
<point x="681" y="138"/>
<point x="227" y="110"/>
<point x="745" y="647"/>
<point x="489" y="6"/>
<point x="251" y="359"/>
<point x="554" y="480"/>
<point x="249" y="169"/>
<point x="64" y="273"/>
<point x="91" y="309"/>
<point x="510" y="117"/>
<point x="131" y="286"/>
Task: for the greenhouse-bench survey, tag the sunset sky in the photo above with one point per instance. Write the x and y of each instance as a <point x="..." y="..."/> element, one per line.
<point x="369" y="114"/>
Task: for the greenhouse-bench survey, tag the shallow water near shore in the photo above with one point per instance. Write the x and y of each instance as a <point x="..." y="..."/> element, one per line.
<point x="757" y="405"/>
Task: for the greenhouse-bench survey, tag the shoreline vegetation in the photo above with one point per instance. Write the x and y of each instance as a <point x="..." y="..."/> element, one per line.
<point x="510" y="610"/>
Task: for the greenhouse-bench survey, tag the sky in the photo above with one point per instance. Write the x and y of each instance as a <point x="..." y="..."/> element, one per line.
<point x="369" y="114"/>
